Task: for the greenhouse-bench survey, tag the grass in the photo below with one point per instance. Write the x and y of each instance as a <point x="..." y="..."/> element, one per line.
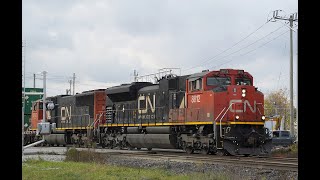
<point x="89" y="164"/>
<point x="82" y="165"/>
<point x="84" y="156"/>
<point x="291" y="151"/>
<point x="40" y="169"/>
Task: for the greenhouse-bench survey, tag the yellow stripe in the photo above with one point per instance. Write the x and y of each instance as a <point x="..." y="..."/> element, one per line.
<point x="165" y="124"/>
<point x="162" y="124"/>
<point x="78" y="128"/>
<point x="253" y="123"/>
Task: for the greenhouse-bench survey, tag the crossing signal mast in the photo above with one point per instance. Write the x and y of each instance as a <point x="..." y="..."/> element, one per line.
<point x="293" y="18"/>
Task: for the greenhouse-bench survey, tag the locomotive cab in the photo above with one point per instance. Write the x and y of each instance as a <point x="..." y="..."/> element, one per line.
<point x="37" y="114"/>
<point x="228" y="99"/>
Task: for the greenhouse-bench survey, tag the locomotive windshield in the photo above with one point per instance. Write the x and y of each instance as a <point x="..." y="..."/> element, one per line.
<point x="40" y="105"/>
<point x="243" y="81"/>
<point x="218" y="81"/>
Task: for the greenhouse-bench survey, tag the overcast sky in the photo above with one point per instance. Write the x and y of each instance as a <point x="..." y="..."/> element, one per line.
<point x="103" y="41"/>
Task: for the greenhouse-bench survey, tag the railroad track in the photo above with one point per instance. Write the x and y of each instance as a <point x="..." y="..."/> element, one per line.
<point x="256" y="162"/>
<point x="220" y="160"/>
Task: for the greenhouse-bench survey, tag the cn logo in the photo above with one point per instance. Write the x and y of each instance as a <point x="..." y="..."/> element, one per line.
<point x="148" y="102"/>
<point x="245" y="104"/>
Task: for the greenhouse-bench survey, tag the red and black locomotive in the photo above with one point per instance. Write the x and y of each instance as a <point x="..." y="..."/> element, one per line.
<point x="210" y="111"/>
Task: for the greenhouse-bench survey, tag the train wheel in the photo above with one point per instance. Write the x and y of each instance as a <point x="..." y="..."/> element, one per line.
<point x="149" y="149"/>
<point x="25" y="140"/>
<point x="204" y="151"/>
<point x="139" y="148"/>
<point x="226" y="153"/>
<point x="189" y="150"/>
<point x="213" y="151"/>
<point x="130" y="147"/>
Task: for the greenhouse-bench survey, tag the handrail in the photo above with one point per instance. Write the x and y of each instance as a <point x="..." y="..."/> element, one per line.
<point x="220" y="113"/>
<point x="223" y="117"/>
<point x="90" y="125"/>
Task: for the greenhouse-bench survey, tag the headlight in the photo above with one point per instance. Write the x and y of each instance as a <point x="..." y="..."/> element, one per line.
<point x="50" y="106"/>
<point x="243" y="92"/>
<point x="263" y="117"/>
<point x="237" y="117"/>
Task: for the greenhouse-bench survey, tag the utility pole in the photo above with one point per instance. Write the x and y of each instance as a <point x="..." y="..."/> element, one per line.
<point x="276" y="112"/>
<point x="291" y="19"/>
<point x="297" y="88"/>
<point x="291" y="79"/>
<point x="74" y="81"/>
<point x="135" y="75"/>
<point x="70" y="81"/>
<point x="44" y="97"/>
<point x="34" y="80"/>
<point x="24" y="91"/>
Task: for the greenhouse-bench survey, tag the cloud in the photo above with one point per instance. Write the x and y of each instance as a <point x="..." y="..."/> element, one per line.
<point x="104" y="41"/>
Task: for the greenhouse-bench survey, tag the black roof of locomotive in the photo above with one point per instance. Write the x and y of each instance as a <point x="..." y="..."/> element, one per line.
<point x="197" y="75"/>
<point x="125" y="88"/>
<point x="149" y="88"/>
<point x="93" y="90"/>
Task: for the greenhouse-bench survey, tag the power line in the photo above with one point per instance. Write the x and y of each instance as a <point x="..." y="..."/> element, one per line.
<point x="228" y="48"/>
<point x="251" y="50"/>
<point x="249" y="44"/>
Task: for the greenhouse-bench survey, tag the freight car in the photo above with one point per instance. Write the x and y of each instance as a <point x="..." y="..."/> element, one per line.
<point x="207" y="112"/>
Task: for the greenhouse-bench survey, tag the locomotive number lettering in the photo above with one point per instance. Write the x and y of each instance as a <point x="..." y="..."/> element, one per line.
<point x="146" y="116"/>
<point x="195" y="98"/>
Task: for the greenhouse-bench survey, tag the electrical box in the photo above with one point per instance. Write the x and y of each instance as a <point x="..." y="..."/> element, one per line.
<point x="44" y="128"/>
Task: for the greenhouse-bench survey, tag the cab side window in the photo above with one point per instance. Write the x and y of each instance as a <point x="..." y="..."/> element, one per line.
<point x="195" y="85"/>
<point x="34" y="107"/>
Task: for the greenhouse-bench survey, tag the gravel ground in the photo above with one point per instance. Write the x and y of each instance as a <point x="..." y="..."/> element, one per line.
<point x="236" y="172"/>
<point x="45" y="157"/>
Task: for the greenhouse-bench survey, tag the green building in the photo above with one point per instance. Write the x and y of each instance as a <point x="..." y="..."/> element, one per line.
<point x="31" y="95"/>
